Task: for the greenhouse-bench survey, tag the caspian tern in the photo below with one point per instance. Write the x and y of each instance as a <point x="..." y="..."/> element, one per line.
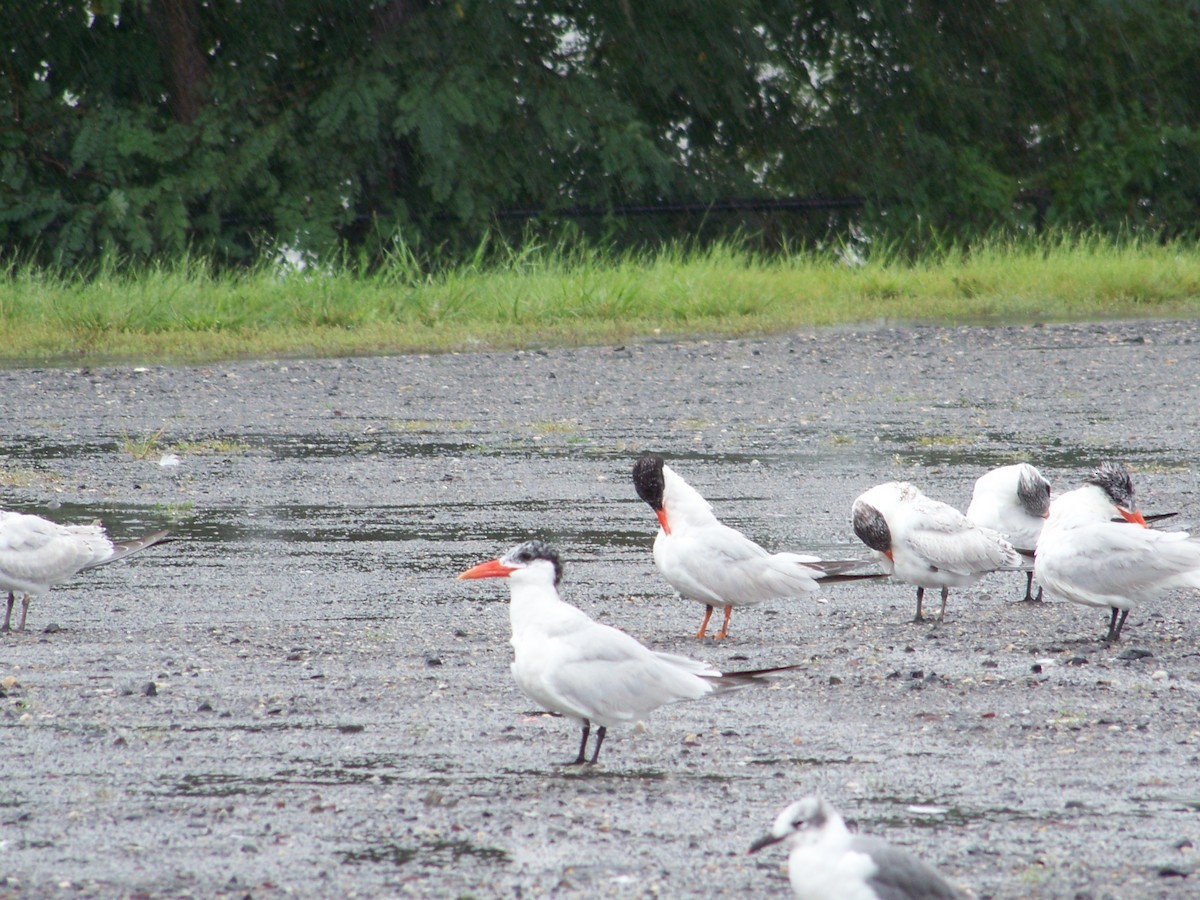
<point x="827" y="862"/>
<point x="708" y="561"/>
<point x="1014" y="501"/>
<point x="1086" y="557"/>
<point x="581" y="669"/>
<point x="36" y="554"/>
<point x="925" y="542"/>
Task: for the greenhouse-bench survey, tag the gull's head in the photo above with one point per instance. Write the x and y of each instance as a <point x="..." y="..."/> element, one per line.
<point x="532" y="560"/>
<point x="650" y="484"/>
<point x="1114" y="480"/>
<point x="803" y="821"/>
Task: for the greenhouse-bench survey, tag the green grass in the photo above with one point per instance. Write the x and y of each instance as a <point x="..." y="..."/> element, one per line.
<point x="549" y="296"/>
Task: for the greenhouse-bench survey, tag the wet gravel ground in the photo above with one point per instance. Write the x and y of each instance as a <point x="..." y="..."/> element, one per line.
<point x="295" y="697"/>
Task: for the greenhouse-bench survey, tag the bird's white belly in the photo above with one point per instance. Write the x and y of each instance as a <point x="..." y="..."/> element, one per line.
<point x="817" y="874"/>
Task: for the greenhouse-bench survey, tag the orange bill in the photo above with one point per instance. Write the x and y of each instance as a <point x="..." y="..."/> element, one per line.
<point x="491" y="569"/>
<point x="1135" y="517"/>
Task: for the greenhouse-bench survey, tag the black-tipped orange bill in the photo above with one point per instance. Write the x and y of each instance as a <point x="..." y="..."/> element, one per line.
<point x="1135" y="517"/>
<point x="490" y="569"/>
<point x="662" y="520"/>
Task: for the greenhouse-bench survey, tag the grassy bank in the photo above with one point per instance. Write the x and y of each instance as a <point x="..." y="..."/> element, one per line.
<point x="548" y="297"/>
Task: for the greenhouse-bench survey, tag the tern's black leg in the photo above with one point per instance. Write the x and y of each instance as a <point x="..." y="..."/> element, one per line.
<point x="600" y="732"/>
<point x="8" y="613"/>
<point x="1115" y="626"/>
<point x="1121" y="624"/>
<point x="942" y="614"/>
<point x="581" y="758"/>
<point x="1029" y="598"/>
<point x="920" y="597"/>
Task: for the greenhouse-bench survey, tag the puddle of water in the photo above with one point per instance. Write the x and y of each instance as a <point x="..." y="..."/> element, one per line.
<point x="435" y="853"/>
<point x="801" y="761"/>
<point x="927" y="450"/>
<point x="918" y="812"/>
<point x="385" y="444"/>
<point x="128" y="519"/>
<point x="45" y="450"/>
<point x="218" y="785"/>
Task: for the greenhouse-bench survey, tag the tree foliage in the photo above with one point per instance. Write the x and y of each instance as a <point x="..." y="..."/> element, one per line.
<point x="145" y="128"/>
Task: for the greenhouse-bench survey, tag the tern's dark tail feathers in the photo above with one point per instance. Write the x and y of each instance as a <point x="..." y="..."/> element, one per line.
<point x="830" y="568"/>
<point x="122" y="549"/>
<point x="1158" y="517"/>
<point x="855" y="576"/>
<point x="728" y="680"/>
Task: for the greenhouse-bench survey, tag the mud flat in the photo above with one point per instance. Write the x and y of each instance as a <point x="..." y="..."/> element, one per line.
<point x="295" y="697"/>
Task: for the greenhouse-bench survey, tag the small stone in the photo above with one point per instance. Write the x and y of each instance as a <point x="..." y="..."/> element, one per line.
<point x="1173" y="872"/>
<point x="150" y="689"/>
<point x="1134" y="653"/>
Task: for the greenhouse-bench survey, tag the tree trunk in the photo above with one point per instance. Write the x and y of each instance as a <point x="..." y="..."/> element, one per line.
<point x="175" y="25"/>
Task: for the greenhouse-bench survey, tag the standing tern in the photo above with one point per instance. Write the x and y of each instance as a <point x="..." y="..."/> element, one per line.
<point x="827" y="862"/>
<point x="581" y="669"/>
<point x="708" y="561"/>
<point x="1014" y="501"/>
<point x="926" y="542"/>
<point x="1084" y="556"/>
<point x="36" y="554"/>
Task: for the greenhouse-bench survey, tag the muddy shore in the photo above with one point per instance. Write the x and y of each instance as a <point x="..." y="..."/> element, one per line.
<point x="294" y="697"/>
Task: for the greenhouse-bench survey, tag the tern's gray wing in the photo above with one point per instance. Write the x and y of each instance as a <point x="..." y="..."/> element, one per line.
<point x="949" y="540"/>
<point x="901" y="876"/>
<point x="720" y="566"/>
<point x="121" y="549"/>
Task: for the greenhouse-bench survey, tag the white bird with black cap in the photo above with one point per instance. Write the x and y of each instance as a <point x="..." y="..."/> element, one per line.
<point x="1014" y="501"/>
<point x="706" y="560"/>
<point x="925" y="542"/>
<point x="593" y="673"/>
<point x="1086" y="557"/>
<point x="828" y="862"/>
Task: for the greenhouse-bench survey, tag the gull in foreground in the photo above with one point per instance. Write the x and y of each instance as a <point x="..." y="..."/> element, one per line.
<point x="1084" y="556"/>
<point x="36" y="554"/>
<point x="1014" y="501"/>
<point x="926" y="542"/>
<point x="827" y="862"/>
<point x="581" y="669"/>
<point x="708" y="561"/>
